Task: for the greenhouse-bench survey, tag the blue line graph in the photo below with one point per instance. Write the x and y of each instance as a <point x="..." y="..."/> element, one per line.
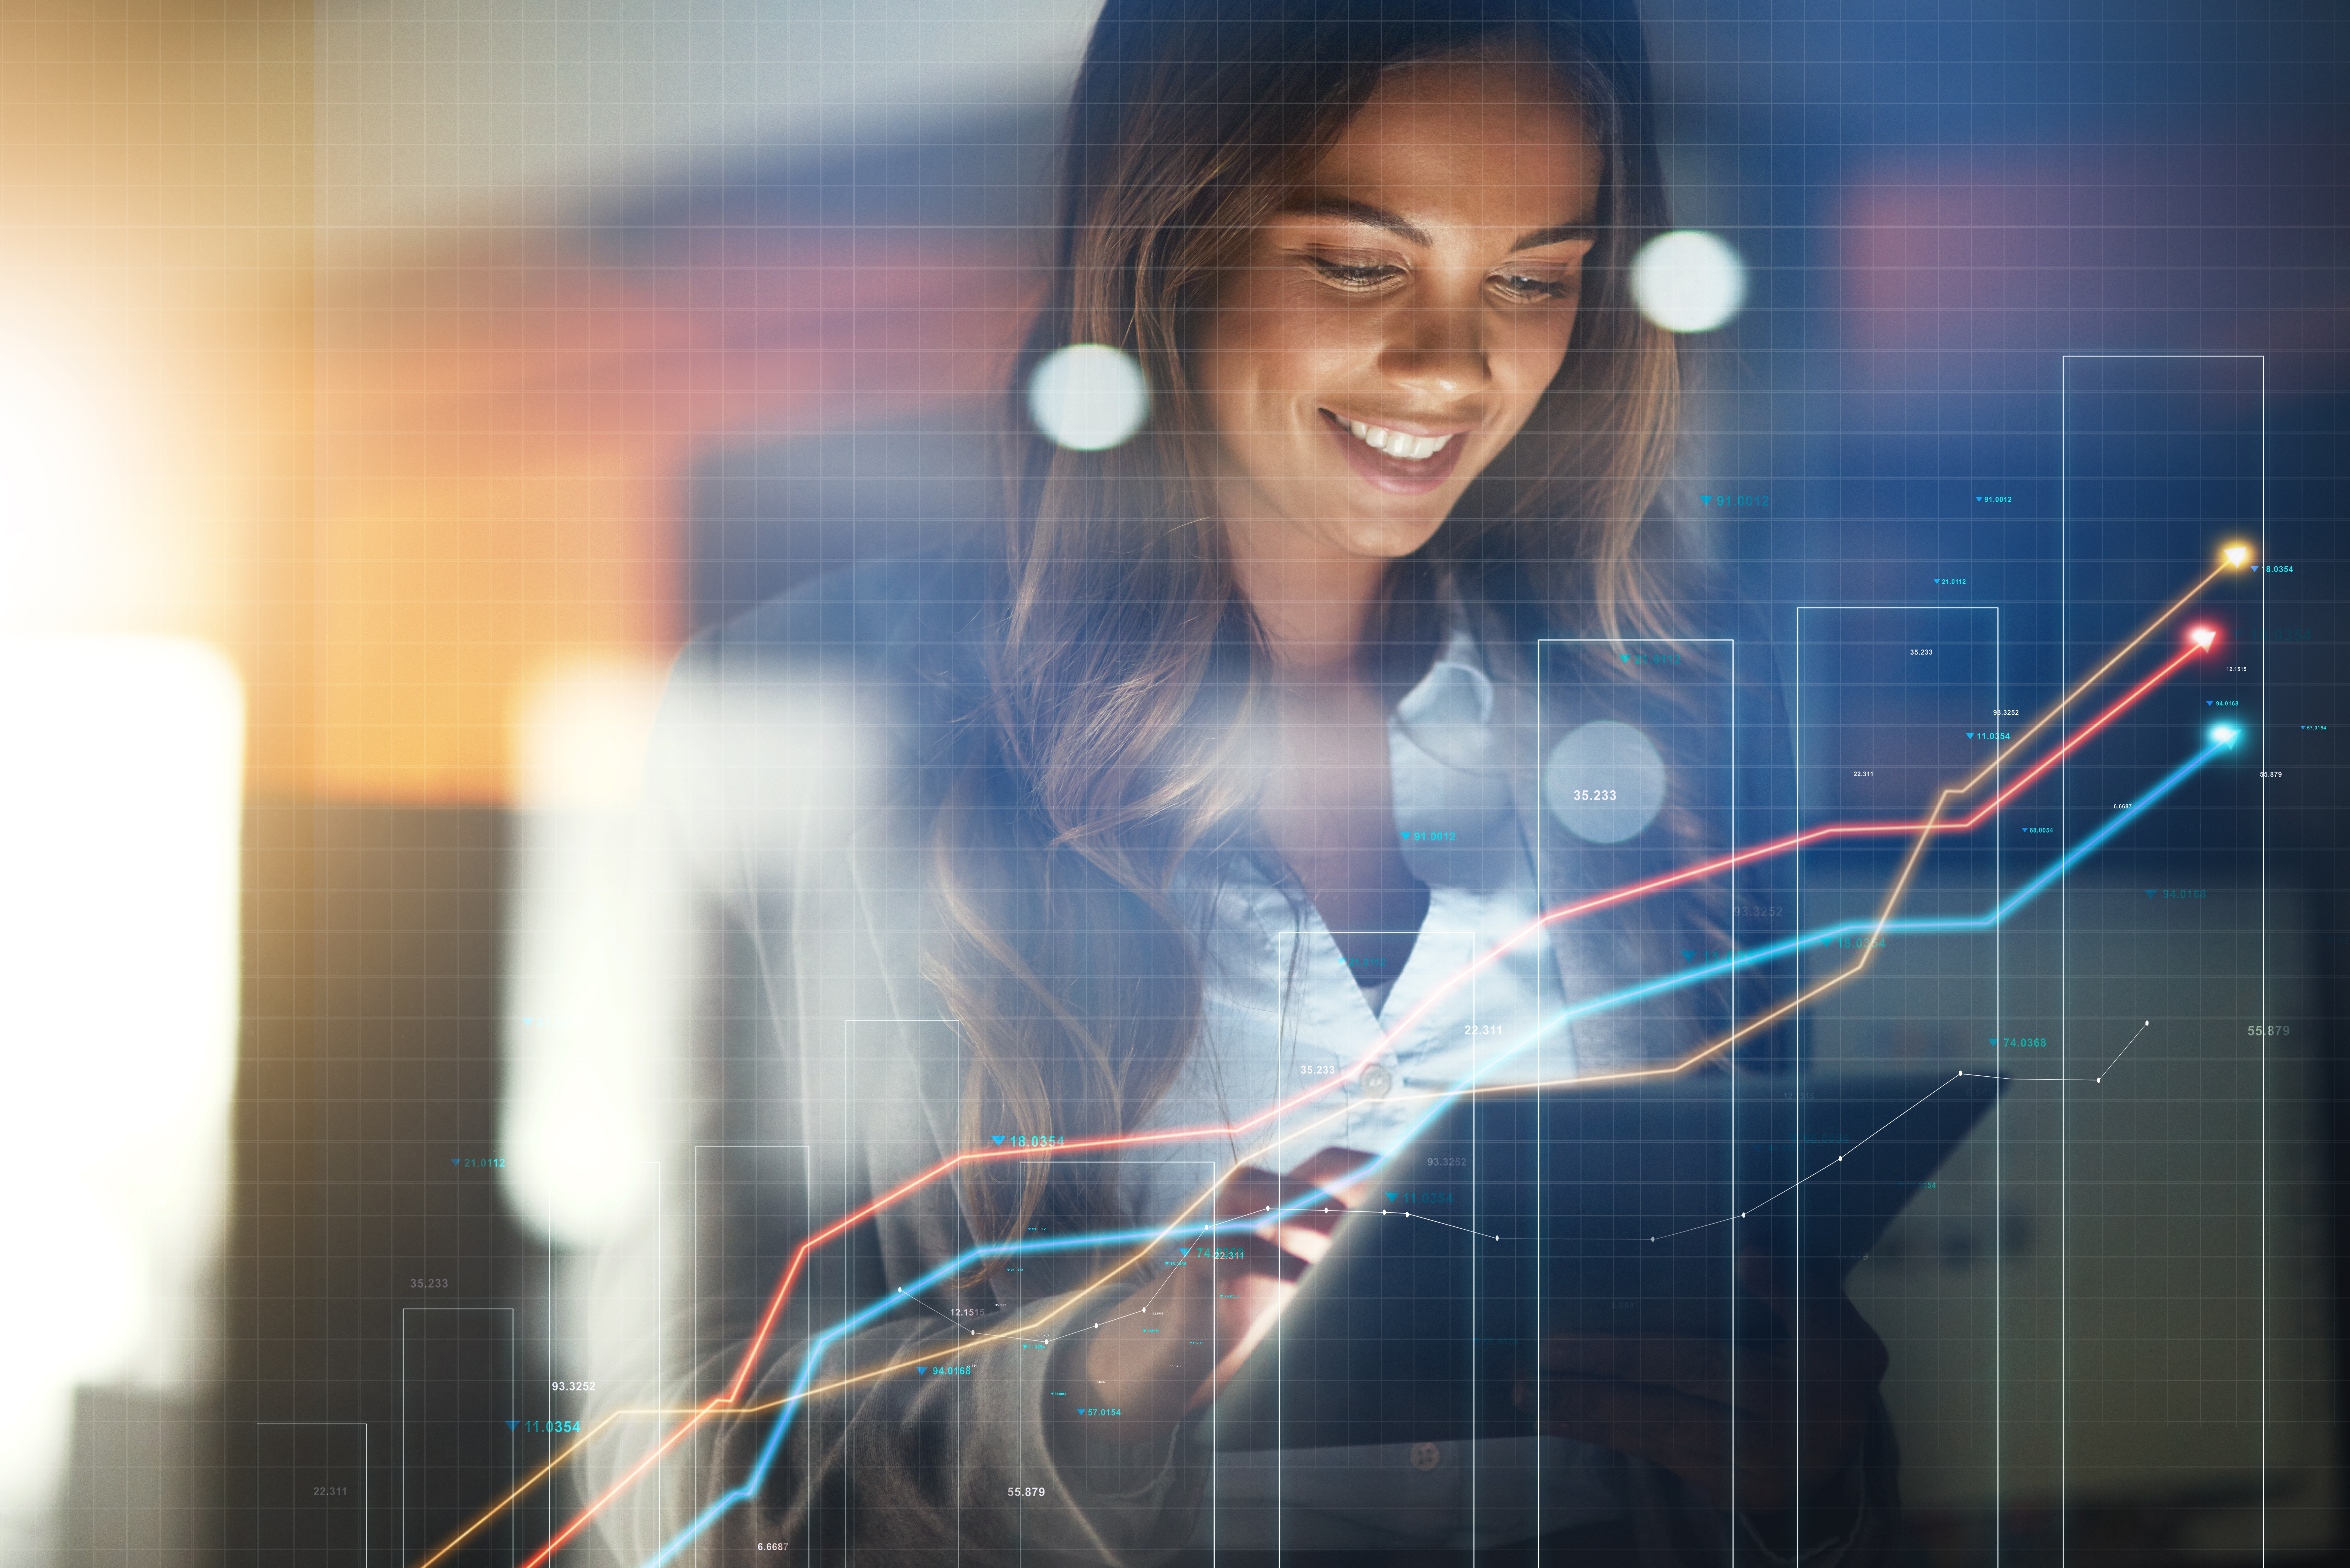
<point x="2220" y="739"/>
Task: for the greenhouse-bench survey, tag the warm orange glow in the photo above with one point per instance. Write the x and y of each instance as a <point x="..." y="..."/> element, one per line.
<point x="505" y="431"/>
<point x="442" y="595"/>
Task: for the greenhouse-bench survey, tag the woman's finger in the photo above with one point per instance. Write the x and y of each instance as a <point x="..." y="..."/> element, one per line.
<point x="1248" y="1190"/>
<point x="1251" y="1191"/>
<point x="1311" y="1209"/>
<point x="1337" y="1171"/>
<point x="1237" y="1254"/>
<point x="1301" y="1239"/>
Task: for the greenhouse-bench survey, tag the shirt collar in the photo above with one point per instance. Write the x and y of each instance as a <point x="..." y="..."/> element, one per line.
<point x="1454" y="815"/>
<point x="1448" y="715"/>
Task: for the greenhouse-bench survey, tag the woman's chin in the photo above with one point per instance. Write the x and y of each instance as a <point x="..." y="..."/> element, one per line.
<point x="1328" y="519"/>
<point x="1386" y="540"/>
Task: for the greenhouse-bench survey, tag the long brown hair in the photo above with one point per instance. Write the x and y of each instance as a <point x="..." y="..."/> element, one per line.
<point x="1106" y="743"/>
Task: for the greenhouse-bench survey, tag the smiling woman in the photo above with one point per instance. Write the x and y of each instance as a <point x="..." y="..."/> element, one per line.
<point x="1301" y="217"/>
<point x="1214" y="769"/>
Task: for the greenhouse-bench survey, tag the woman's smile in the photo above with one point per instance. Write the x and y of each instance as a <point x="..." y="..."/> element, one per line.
<point x="1396" y="461"/>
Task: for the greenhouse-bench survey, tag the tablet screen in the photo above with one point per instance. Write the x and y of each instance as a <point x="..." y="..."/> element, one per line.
<point x="1617" y="1208"/>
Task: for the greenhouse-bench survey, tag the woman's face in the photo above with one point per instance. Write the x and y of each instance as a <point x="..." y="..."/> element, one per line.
<point x="1388" y="332"/>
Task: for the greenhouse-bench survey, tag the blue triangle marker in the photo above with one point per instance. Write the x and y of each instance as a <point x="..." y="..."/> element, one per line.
<point x="1185" y="1250"/>
<point x="452" y="1160"/>
<point x="998" y="1137"/>
<point x="512" y="1425"/>
<point x="2150" y="892"/>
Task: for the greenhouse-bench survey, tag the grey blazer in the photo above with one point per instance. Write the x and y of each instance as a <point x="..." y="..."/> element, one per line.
<point x="790" y="792"/>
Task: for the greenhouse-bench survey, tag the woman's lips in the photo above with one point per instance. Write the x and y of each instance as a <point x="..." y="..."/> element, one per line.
<point x="1395" y="475"/>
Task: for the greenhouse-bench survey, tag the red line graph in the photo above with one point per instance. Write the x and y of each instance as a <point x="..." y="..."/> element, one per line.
<point x="2200" y="640"/>
<point x="1559" y="916"/>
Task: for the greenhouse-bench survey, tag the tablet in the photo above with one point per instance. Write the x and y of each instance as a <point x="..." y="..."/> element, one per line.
<point x="1617" y="1208"/>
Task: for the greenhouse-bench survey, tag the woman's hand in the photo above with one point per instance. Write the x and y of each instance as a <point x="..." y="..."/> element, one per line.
<point x="1800" y="1408"/>
<point x="1225" y="1294"/>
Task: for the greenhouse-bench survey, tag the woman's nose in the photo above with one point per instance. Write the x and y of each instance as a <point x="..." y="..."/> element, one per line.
<point x="1439" y="350"/>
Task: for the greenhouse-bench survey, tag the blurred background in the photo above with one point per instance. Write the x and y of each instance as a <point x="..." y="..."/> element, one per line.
<point x="388" y="389"/>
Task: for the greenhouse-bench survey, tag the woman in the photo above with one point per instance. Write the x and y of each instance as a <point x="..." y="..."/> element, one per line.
<point x="1146" y="821"/>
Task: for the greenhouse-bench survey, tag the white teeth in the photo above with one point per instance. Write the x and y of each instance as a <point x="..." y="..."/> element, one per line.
<point x="1396" y="443"/>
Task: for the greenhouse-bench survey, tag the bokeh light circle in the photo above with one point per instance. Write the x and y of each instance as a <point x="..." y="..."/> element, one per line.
<point x="1688" y="281"/>
<point x="1089" y="397"/>
<point x="1605" y="782"/>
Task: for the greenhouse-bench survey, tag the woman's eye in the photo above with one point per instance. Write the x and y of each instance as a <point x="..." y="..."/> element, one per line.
<point x="1355" y="274"/>
<point x="1540" y="288"/>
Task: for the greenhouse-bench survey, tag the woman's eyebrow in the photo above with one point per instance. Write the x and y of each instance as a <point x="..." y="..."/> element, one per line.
<point x="1353" y="211"/>
<point x="1554" y="234"/>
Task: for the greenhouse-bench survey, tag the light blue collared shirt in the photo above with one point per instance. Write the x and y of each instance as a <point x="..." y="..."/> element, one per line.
<point x="1283" y="1011"/>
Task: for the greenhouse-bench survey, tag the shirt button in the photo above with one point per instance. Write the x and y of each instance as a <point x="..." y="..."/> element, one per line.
<point x="1377" y="1083"/>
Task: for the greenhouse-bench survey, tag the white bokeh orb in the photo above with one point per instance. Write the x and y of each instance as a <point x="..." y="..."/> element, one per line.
<point x="1089" y="397"/>
<point x="1688" y="281"/>
<point x="1605" y="782"/>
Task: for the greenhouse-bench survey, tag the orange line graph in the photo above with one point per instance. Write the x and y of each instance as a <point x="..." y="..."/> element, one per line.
<point x="2200" y="641"/>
